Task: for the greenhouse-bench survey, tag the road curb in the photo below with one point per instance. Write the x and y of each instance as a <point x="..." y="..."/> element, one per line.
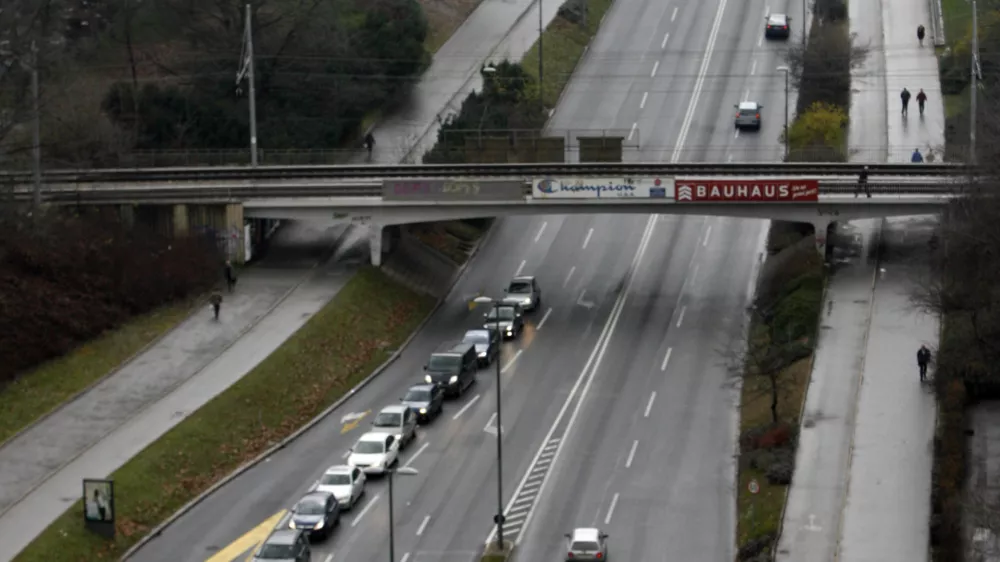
<point x="158" y="530"/>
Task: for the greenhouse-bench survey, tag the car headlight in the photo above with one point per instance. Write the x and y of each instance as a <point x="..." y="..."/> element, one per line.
<point x="482" y="354"/>
<point x="453" y="379"/>
<point x="428" y="379"/>
<point x="423" y="410"/>
<point x="291" y="524"/>
<point x="318" y="525"/>
<point x="510" y="330"/>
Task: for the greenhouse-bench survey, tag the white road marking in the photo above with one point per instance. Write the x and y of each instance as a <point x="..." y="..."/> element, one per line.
<point x="631" y="133"/>
<point x="753" y="67"/>
<point x="346" y="454"/>
<point x="730" y="158"/>
<point x="663" y="367"/>
<point x="631" y="454"/>
<point x="736" y="135"/>
<point x="520" y="267"/>
<point x="760" y="40"/>
<point x="329" y="558"/>
<point x="611" y="509"/>
<point x="767" y="11"/>
<point x="405" y="557"/>
<point x="423" y="525"/>
<point x="568" y="275"/>
<point x="642" y="104"/>
<point x="466" y="407"/>
<point x="649" y="405"/>
<point x="586" y="239"/>
<point x="522" y="500"/>
<point x="542" y="323"/>
<point x="673" y="16"/>
<point x="518" y="509"/>
<point x="413" y="457"/>
<point x="584" y="303"/>
<point x="664" y="44"/>
<point x="708" y="234"/>
<point x="681" y="317"/>
<point x="746" y="95"/>
<point x="656" y="66"/>
<point x="366" y="509"/>
<point x="511" y="362"/>
<point x="491" y="427"/>
<point x="540" y="231"/>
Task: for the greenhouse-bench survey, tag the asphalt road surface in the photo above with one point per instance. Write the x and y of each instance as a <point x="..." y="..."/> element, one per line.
<point x="632" y="306"/>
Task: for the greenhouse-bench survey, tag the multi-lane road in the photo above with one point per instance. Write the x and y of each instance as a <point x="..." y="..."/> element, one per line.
<point x="618" y="410"/>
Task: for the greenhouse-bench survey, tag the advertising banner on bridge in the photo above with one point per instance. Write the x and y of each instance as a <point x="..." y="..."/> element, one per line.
<point x="452" y="190"/>
<point x="742" y="190"/>
<point x="603" y="188"/>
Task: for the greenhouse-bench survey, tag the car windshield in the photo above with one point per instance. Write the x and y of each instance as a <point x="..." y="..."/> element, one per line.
<point x="747" y="112"/>
<point x="476" y="337"/>
<point x="388" y="419"/>
<point x="335" y="479"/>
<point x="310" y="507"/>
<point x="369" y="447"/>
<point x="585" y="545"/>
<point x="777" y="21"/>
<point x="443" y="362"/>
<point x="506" y="313"/>
<point x="519" y="287"/>
<point x="276" y="552"/>
<point x="418" y="395"/>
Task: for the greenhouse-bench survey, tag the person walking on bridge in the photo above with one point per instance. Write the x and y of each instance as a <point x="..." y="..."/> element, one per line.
<point x="920" y="34"/>
<point x="923" y="360"/>
<point x="921" y="99"/>
<point x="863" y="183"/>
<point x="917" y="158"/>
<point x="905" y="96"/>
<point x="216" y="300"/>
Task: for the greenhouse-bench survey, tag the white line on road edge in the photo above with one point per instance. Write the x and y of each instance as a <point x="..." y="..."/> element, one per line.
<point x="423" y="525"/>
<point x="512" y="360"/>
<point x="663" y="367"/>
<point x="542" y="323"/>
<point x="345" y="455"/>
<point x="611" y="509"/>
<point x="760" y="39"/>
<point x="642" y="104"/>
<point x="410" y="460"/>
<point x="700" y="82"/>
<point x="631" y="133"/>
<point x="540" y="231"/>
<point x="329" y="558"/>
<point x="588" y="373"/>
<point x="708" y="235"/>
<point x="406" y="556"/>
<point x="631" y="454"/>
<point x="586" y="239"/>
<point x="753" y="67"/>
<point x="736" y="135"/>
<point x="746" y="95"/>
<point x="368" y="506"/>
<point x="656" y="66"/>
<point x="649" y="405"/>
<point x="520" y="267"/>
<point x="466" y="407"/>
<point x="673" y="16"/>
<point x="568" y="275"/>
<point x="664" y="44"/>
<point x="681" y="317"/>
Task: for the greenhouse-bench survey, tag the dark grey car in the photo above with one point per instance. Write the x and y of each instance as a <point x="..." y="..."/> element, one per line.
<point x="487" y="344"/>
<point x="508" y="317"/>
<point x="284" y="545"/>
<point x="426" y="400"/>
<point x="317" y="513"/>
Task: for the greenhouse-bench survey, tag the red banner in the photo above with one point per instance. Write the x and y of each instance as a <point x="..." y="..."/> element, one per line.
<point x="739" y="191"/>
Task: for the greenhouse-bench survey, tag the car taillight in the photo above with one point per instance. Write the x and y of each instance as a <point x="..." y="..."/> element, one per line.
<point x="569" y="555"/>
<point x="599" y="555"/>
<point x="737" y="114"/>
<point x="758" y="116"/>
<point x="784" y="27"/>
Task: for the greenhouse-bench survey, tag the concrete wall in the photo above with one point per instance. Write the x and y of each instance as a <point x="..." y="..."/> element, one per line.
<point x="222" y="222"/>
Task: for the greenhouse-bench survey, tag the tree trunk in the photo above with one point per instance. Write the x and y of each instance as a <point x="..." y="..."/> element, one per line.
<point x="774" y="398"/>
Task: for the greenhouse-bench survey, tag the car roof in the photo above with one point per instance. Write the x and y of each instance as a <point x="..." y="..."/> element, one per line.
<point x="374" y="436"/>
<point x="748" y="105"/>
<point x="480" y="332"/>
<point x="395" y="409"/>
<point x="339" y="469"/>
<point x="423" y="387"/>
<point x="586" y="534"/>
<point x="525" y="278"/>
<point x="316" y="495"/>
<point x="777" y="17"/>
<point x="283" y="536"/>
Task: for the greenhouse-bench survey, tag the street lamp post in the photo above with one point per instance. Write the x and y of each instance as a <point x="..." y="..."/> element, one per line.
<point x="785" y="69"/>
<point x="391" y="473"/>
<point x="499" y="518"/>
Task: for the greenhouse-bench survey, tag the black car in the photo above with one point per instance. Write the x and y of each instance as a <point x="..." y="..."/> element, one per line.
<point x="427" y="400"/>
<point x="777" y="26"/>
<point x="508" y="318"/>
<point x="487" y="344"/>
<point x="453" y="369"/>
<point x="317" y="513"/>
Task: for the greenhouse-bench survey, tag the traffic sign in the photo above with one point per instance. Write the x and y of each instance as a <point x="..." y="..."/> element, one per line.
<point x="753" y="486"/>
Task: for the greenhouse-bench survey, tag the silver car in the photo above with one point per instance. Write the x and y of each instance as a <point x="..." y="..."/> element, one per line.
<point x="586" y="543"/>
<point x="748" y="115"/>
<point x="399" y="420"/>
<point x="523" y="290"/>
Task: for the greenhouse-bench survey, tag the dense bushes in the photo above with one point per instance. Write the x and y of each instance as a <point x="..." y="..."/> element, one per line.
<point x="68" y="281"/>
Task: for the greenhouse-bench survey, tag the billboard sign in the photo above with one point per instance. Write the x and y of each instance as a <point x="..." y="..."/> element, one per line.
<point x="603" y="188"/>
<point x="452" y="190"/>
<point x="99" y="506"/>
<point x="747" y="191"/>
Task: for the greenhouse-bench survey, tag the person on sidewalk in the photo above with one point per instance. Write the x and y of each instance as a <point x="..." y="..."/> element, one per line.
<point x="920" y="34"/>
<point x="863" y="183"/>
<point x="917" y="158"/>
<point x="369" y="144"/>
<point x="921" y="99"/>
<point x="230" y="276"/>
<point x="905" y="96"/>
<point x="923" y="360"/>
<point x="216" y="300"/>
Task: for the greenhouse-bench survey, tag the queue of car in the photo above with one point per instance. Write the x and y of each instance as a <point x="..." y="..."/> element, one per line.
<point x="747" y="111"/>
<point x="449" y="372"/>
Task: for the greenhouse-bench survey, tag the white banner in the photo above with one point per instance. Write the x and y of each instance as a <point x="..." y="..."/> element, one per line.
<point x="656" y="189"/>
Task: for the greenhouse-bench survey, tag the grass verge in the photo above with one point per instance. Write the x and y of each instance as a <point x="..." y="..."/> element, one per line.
<point x="354" y="333"/>
<point x="454" y="239"/>
<point x="563" y="43"/>
<point x="39" y="391"/>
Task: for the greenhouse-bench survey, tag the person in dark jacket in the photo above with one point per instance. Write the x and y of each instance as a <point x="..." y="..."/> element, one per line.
<point x="863" y="183"/>
<point x="230" y="276"/>
<point x="921" y="100"/>
<point x="216" y="300"/>
<point x="923" y="359"/>
<point x="905" y="96"/>
<point x="920" y="34"/>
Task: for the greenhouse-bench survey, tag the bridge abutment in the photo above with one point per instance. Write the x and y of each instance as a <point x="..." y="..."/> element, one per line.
<point x="822" y="226"/>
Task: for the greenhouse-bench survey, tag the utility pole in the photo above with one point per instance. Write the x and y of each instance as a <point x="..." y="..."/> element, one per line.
<point x="36" y="132"/>
<point x="541" y="70"/>
<point x="246" y="71"/>
<point x="974" y="83"/>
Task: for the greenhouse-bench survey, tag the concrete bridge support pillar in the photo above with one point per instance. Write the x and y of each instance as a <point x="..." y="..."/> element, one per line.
<point x="376" y="237"/>
<point x="235" y="226"/>
<point x="127" y="215"/>
<point x="181" y="224"/>
<point x="822" y="226"/>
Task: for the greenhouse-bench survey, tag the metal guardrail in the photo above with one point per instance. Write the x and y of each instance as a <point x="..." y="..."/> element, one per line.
<point x="262" y="173"/>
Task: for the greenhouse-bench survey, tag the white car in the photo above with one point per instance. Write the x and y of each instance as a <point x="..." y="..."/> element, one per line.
<point x="346" y="483"/>
<point x="375" y="452"/>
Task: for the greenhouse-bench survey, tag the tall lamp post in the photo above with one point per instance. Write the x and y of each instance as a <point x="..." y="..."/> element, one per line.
<point x="391" y="473"/>
<point x="785" y="69"/>
<point x="499" y="518"/>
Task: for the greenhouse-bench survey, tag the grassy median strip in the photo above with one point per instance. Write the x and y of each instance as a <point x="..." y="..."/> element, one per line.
<point x="343" y="343"/>
<point x="45" y="388"/>
<point x="563" y="44"/>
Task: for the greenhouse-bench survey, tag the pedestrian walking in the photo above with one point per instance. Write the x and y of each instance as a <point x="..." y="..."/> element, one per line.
<point x="216" y="300"/>
<point x="905" y="96"/>
<point x="923" y="360"/>
<point x="920" y="34"/>
<point x="921" y="99"/>
<point x="230" y="276"/>
<point x="863" y="183"/>
<point x="917" y="158"/>
<point x="369" y="144"/>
